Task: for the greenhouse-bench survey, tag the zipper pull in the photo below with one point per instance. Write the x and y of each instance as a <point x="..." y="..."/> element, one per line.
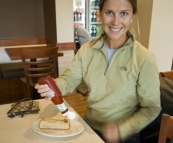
<point x="106" y="69"/>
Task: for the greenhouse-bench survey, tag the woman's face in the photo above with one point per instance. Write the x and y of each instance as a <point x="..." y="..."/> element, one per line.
<point x="116" y="16"/>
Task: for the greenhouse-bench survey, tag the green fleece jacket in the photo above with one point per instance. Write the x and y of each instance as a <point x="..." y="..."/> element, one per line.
<point x="125" y="91"/>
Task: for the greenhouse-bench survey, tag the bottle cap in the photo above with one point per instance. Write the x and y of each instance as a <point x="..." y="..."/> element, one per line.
<point x="71" y="115"/>
<point x="66" y="113"/>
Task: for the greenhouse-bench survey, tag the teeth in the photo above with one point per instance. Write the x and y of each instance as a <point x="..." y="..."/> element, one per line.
<point x="116" y="29"/>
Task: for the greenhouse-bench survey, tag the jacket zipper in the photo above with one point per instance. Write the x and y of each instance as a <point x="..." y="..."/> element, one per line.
<point x="106" y="69"/>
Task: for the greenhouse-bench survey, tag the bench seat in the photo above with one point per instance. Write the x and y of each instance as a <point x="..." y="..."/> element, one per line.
<point x="11" y="70"/>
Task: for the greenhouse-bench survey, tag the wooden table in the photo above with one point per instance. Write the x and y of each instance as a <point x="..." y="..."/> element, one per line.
<point x="19" y="130"/>
<point x="14" y="53"/>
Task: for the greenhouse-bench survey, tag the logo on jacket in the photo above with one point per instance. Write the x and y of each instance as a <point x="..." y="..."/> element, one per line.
<point x="123" y="68"/>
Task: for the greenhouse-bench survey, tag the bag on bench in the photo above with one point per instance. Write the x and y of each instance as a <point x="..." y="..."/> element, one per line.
<point x="151" y="133"/>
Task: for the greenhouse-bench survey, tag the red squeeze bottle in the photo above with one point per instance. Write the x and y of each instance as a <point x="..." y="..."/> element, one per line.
<point x="57" y="98"/>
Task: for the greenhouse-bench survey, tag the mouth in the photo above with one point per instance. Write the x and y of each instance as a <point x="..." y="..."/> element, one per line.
<point x="115" y="29"/>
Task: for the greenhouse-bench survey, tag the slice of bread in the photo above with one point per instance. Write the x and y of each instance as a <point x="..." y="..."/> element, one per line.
<point x="57" y="124"/>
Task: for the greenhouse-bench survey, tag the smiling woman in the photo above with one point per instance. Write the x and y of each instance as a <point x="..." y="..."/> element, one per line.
<point x="121" y="74"/>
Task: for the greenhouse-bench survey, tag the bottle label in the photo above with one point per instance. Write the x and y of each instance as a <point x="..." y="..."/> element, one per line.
<point x="61" y="107"/>
<point x="51" y="94"/>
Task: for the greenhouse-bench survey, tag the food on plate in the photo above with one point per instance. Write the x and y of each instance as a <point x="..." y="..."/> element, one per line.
<point x="57" y="124"/>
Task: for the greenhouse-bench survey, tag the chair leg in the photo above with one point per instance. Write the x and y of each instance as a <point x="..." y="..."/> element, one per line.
<point x="31" y="92"/>
<point x="35" y="94"/>
<point x="82" y="88"/>
<point x="28" y="92"/>
<point x="25" y="90"/>
<point x="84" y="94"/>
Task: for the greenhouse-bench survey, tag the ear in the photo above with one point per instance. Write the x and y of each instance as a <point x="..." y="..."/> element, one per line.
<point x="132" y="19"/>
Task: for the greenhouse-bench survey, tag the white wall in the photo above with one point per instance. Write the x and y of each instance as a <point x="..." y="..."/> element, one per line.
<point x="155" y="18"/>
<point x="161" y="33"/>
<point x="64" y="25"/>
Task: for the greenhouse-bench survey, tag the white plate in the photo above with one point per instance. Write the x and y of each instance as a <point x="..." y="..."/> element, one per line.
<point x="75" y="128"/>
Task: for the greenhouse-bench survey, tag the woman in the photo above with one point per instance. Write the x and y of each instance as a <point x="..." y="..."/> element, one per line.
<point x="121" y="74"/>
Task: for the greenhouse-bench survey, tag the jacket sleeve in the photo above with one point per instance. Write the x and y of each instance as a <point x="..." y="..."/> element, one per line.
<point x="72" y="76"/>
<point x="148" y="93"/>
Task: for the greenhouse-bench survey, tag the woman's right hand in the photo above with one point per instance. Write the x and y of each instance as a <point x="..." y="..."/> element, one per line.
<point x="43" y="90"/>
<point x="111" y="133"/>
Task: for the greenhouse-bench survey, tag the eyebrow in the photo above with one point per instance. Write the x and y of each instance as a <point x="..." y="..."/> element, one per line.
<point x="112" y="10"/>
<point x="126" y="10"/>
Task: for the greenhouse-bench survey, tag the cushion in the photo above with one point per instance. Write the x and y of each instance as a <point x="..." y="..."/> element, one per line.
<point x="12" y="70"/>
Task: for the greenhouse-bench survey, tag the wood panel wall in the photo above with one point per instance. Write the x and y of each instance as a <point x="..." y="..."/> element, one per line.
<point x="21" y="19"/>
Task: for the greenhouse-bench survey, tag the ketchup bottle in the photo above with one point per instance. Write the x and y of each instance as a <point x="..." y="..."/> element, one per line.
<point x="57" y="96"/>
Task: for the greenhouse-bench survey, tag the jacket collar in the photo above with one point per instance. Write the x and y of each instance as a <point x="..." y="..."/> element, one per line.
<point x="129" y="42"/>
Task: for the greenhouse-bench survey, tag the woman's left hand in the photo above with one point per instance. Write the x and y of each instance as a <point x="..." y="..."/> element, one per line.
<point x="111" y="133"/>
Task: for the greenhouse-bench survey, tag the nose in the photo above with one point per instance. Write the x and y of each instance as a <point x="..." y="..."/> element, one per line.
<point x="115" y="20"/>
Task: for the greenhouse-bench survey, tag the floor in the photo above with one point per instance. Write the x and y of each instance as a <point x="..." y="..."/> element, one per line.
<point x="78" y="102"/>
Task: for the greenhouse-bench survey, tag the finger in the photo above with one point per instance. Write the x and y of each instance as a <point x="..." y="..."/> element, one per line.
<point x="39" y="86"/>
<point x="43" y="90"/>
<point x="48" y="95"/>
<point x="48" y="98"/>
<point x="44" y="94"/>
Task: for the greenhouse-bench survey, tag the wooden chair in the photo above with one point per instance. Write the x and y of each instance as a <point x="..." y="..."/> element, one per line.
<point x="166" y="128"/>
<point x="167" y="74"/>
<point x="37" y="64"/>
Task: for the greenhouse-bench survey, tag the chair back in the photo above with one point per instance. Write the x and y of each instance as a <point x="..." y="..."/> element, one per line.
<point x="38" y="63"/>
<point x="83" y="36"/>
<point x="166" y="128"/>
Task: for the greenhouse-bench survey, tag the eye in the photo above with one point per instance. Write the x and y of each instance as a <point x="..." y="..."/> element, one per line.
<point x="124" y="13"/>
<point x="109" y="12"/>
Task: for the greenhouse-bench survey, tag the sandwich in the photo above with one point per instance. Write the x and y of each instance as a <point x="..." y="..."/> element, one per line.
<point x="56" y="124"/>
